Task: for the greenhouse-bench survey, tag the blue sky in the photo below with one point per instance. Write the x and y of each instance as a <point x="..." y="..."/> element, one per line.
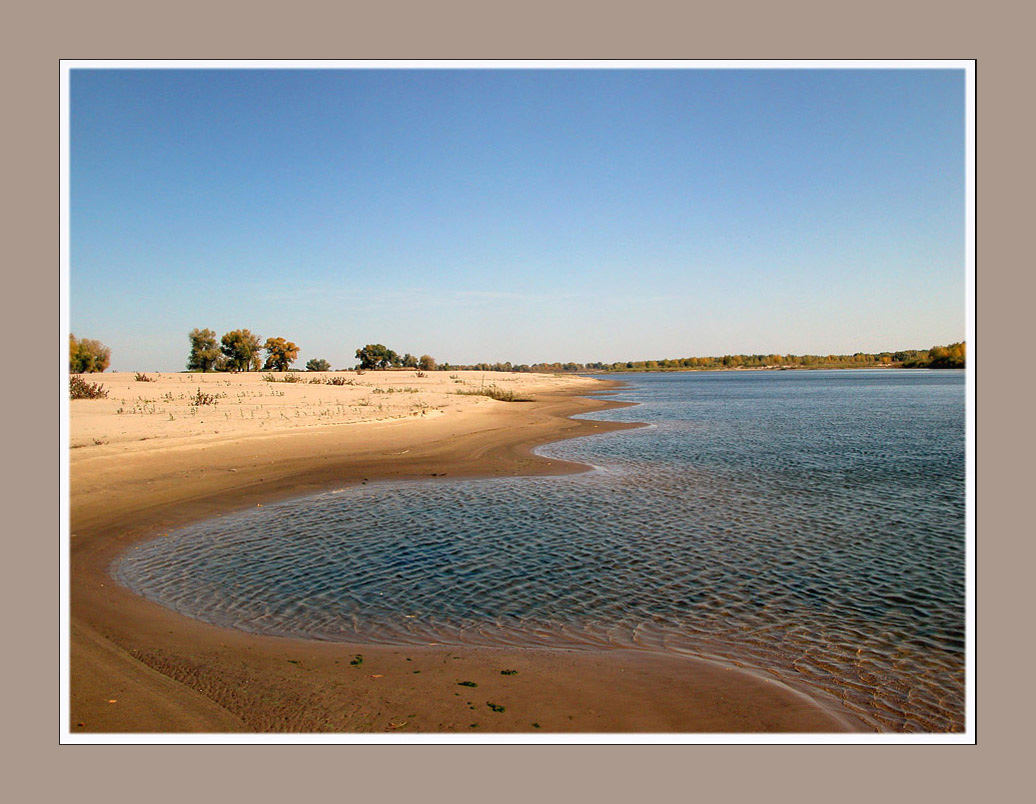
<point x="529" y="215"/>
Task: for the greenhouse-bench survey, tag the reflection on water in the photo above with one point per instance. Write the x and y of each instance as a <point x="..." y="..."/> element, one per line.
<point x="807" y="523"/>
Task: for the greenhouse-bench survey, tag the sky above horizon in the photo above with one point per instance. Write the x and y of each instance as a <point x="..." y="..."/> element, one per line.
<point x="518" y="215"/>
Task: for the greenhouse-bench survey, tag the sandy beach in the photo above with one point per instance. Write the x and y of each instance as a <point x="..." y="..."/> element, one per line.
<point x="148" y="459"/>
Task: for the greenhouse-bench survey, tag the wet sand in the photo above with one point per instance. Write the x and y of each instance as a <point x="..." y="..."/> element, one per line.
<point x="138" y="667"/>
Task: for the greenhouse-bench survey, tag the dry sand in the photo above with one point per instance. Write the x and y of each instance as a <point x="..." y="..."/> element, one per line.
<point x="145" y="460"/>
<point x="251" y="405"/>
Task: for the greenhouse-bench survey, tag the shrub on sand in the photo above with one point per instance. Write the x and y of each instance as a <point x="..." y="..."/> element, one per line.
<point x="81" y="389"/>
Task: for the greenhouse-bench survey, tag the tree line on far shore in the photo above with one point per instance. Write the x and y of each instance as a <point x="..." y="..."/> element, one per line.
<point x="953" y="356"/>
<point x="241" y="350"/>
<point x="938" y="357"/>
<point x="377" y="356"/>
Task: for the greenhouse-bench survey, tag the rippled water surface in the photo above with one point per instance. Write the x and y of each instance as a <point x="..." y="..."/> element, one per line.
<point x="810" y="524"/>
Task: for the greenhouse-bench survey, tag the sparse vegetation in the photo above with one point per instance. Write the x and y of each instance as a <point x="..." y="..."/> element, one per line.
<point x="466" y="684"/>
<point x="495" y="392"/>
<point x="139" y="377"/>
<point x="81" y="389"/>
<point x="201" y="398"/>
<point x="318" y="364"/>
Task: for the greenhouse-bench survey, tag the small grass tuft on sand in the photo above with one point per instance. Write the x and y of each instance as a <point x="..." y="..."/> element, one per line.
<point x="495" y="392"/>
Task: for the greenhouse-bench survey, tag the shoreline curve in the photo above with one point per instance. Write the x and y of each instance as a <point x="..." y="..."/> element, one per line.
<point x="140" y="668"/>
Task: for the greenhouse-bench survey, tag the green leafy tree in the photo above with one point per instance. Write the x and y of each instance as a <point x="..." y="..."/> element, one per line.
<point x="241" y="350"/>
<point x="377" y="356"/>
<point x="87" y="356"/>
<point x="318" y="364"/>
<point x="426" y="363"/>
<point x="409" y="361"/>
<point x="280" y="354"/>
<point x="205" y="354"/>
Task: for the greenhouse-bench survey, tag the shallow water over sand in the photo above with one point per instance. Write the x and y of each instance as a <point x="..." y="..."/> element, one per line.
<point x="810" y="524"/>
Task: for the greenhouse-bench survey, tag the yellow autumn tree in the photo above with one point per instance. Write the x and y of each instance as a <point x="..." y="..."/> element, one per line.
<point x="86" y="356"/>
<point x="280" y="354"/>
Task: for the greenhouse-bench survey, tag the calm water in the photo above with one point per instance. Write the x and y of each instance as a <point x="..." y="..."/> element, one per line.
<point x="810" y="524"/>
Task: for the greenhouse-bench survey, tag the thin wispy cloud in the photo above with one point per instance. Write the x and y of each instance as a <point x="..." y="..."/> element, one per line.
<point x="373" y="297"/>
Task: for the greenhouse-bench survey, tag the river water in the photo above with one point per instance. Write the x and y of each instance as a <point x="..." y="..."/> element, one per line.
<point x="809" y="524"/>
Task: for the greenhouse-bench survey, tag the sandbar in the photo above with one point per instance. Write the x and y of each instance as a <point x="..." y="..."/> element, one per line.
<point x="137" y="667"/>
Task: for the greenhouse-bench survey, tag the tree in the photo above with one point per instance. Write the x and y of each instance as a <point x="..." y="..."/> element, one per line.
<point x="952" y="356"/>
<point x="241" y="349"/>
<point x="205" y="354"/>
<point x="280" y="354"/>
<point x="87" y="356"/>
<point x="377" y="356"/>
<point x="426" y="363"/>
<point x="409" y="361"/>
<point x="318" y="364"/>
